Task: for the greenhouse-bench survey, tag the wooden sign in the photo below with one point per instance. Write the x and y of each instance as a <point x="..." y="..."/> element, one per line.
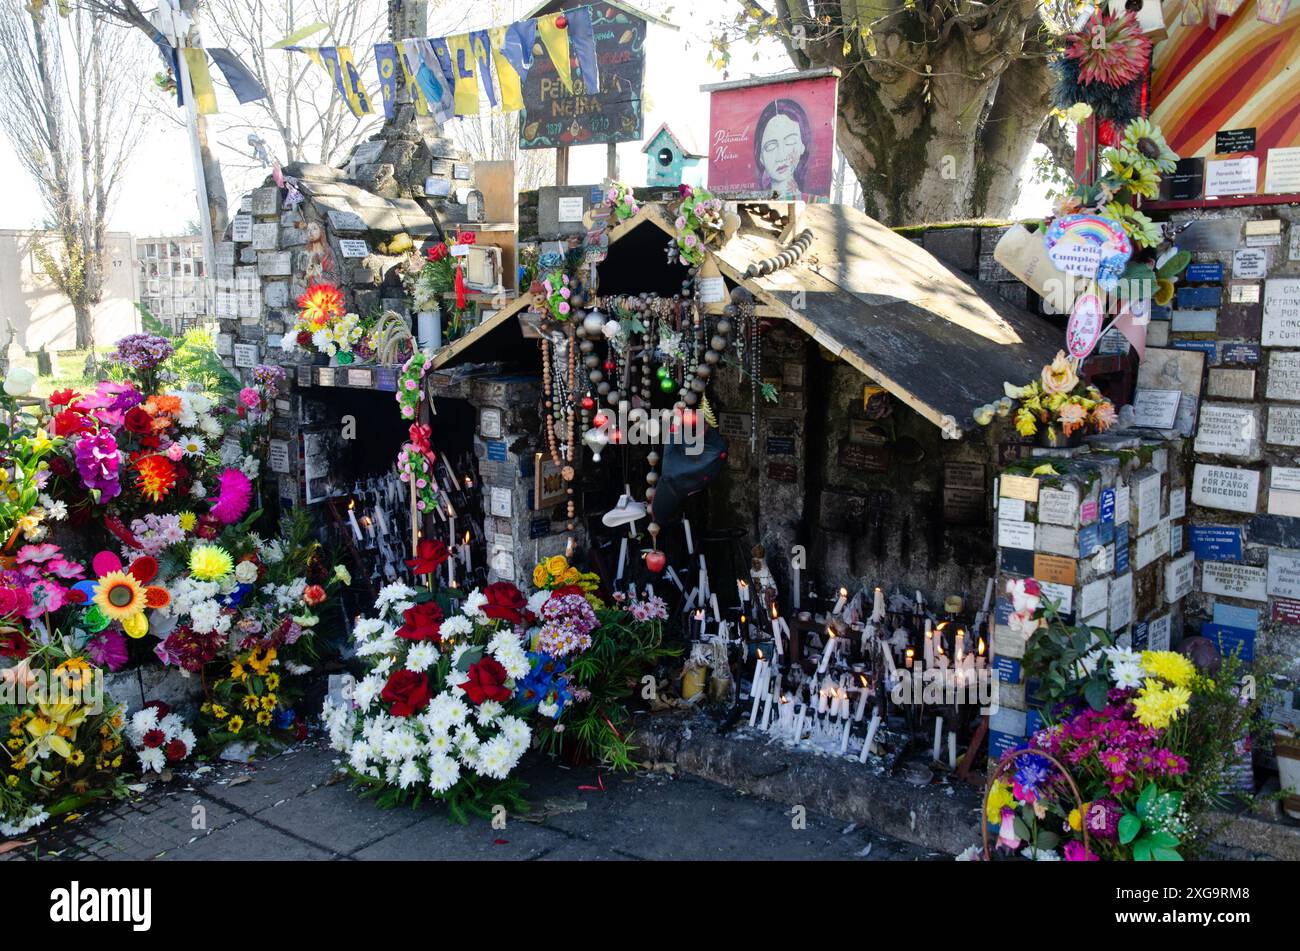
<point x="1055" y="568"/>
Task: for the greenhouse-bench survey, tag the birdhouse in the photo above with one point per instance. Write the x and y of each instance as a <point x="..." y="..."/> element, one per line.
<point x="668" y="158"/>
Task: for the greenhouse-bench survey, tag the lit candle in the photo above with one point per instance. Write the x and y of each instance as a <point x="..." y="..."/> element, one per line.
<point x="878" y="607"/>
<point x="841" y="601"/>
<point x="938" y="737"/>
<point x="980" y="659"/>
<point x="827" y="652"/>
<point x="862" y="699"/>
<point x="743" y="588"/>
<point x="352" y="519"/>
<point x="929" y="644"/>
<point x="908" y="657"/>
<point x="465" y="553"/>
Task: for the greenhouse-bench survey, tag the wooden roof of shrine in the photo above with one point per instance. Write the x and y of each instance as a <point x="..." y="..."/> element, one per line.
<point x="940" y="342"/>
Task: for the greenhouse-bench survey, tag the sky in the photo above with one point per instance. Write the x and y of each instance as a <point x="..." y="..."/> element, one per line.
<point x="157" y="193"/>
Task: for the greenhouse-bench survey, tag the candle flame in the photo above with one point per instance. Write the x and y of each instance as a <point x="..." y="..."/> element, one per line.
<point x="352" y="503"/>
<point x="844" y="592"/>
<point x="981" y="647"/>
<point x="742" y="619"/>
<point x="863" y="678"/>
<point x="467" y="538"/>
<point x="774" y="615"/>
<point x="910" y="652"/>
<point x="760" y="653"/>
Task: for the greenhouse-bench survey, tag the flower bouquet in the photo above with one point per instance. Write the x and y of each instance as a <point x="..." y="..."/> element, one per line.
<point x="325" y="325"/>
<point x="440" y="712"/>
<point x="621" y="201"/>
<point x="699" y="223"/>
<point x="1058" y="407"/>
<point x="159" y="737"/>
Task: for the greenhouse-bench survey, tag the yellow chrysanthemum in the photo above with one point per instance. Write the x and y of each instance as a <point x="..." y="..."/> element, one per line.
<point x="77" y="758"/>
<point x="210" y="563"/>
<point x="119" y="595"/>
<point x="218" y="711"/>
<point x="1170" y="666"/>
<point x="188" y="521"/>
<point x="268" y="702"/>
<point x="1157" y="706"/>
<point x="999" y="796"/>
<point x="250" y="702"/>
<point x="272" y="681"/>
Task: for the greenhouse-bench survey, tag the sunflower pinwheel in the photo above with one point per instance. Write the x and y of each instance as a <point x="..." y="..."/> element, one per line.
<point x="122" y="595"/>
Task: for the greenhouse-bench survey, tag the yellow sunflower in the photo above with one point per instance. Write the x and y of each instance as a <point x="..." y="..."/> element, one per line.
<point x="235" y="724"/>
<point x="119" y="596"/>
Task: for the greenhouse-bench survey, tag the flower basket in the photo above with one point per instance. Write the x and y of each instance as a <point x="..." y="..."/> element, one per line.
<point x="1003" y="766"/>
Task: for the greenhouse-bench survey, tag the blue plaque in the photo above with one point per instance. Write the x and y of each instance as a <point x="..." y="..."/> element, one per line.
<point x="1231" y="639"/>
<point x="1200" y="296"/>
<point x="1201" y="273"/>
<point x="1240" y="353"/>
<point x="1216" y="542"/>
<point x="1106" y="511"/>
<point x="1007" y="669"/>
<point x="1234" y="615"/>
<point x="1121" y="549"/>
<point x="1207" y="347"/>
<point x="496" y="450"/>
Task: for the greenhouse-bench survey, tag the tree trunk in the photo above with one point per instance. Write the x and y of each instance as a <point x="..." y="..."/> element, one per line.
<point x="85" y="319"/>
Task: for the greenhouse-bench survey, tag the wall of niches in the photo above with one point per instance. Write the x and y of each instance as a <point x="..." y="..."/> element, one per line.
<point x="1239" y="304"/>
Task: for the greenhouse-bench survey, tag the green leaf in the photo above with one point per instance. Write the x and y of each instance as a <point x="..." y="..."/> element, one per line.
<point x="1146" y="799"/>
<point x="1129" y="826"/>
<point x="1048" y="840"/>
<point x="1142" y="850"/>
<point x="1175" y="265"/>
<point x="1165" y="855"/>
<point x="1095" y="693"/>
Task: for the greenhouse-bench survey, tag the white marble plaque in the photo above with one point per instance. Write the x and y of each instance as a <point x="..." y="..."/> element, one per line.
<point x="1145" y="550"/>
<point x="1178" y="577"/>
<point x="1283" y="375"/>
<point x="1226" y="429"/>
<point x="1281" y="312"/>
<point x="1249" y="264"/>
<point x="1231" y="384"/>
<point x="225" y="347"/>
<point x="1177" y="503"/>
<point x="1283" y="502"/>
<point x="1283" y="573"/>
<point x="353" y="248"/>
<point x="266" y="236"/>
<point x="246" y="355"/>
<point x="1058" y="540"/>
<point x="1094" y="597"/>
<point x="1058" y="506"/>
<point x="1122" y="504"/>
<point x="1147" y="493"/>
<point x="1156" y="408"/>
<point x="277" y="456"/>
<point x="1234" y="581"/>
<point x="1223" y="487"/>
<point x="1062" y="594"/>
<point x="241" y="229"/>
<point x="1158" y="633"/>
<point x="1121" y="601"/>
<point x="1016" y="534"/>
<point x="1284" y="425"/>
<point x="1013" y="510"/>
<point x="1281" y="477"/>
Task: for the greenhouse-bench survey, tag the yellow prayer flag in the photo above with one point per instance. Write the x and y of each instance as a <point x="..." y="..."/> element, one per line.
<point x="462" y="67"/>
<point x="205" y="97"/>
<point x="556" y="41"/>
<point x="512" y="94"/>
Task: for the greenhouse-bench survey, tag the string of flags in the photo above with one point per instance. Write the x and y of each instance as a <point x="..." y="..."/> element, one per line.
<point x="447" y="72"/>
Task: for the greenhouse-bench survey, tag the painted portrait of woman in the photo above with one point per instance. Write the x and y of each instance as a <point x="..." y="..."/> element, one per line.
<point x="782" y="148"/>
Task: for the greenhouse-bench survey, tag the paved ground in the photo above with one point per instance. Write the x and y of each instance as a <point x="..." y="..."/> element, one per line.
<point x="296" y="807"/>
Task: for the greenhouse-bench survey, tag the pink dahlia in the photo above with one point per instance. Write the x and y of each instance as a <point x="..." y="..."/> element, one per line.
<point x="233" y="497"/>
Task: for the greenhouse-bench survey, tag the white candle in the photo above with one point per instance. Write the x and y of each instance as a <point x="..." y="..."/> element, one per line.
<point x="798" y="724"/>
<point x="743" y="588"/>
<point x="938" y="737"/>
<point x="704" y="580"/>
<point x="822" y="700"/>
<point x="878" y="606"/>
<point x="383" y="521"/>
<point x="844" y="736"/>
<point x="952" y="749"/>
<point x="768" y="690"/>
<point x="795" y="592"/>
<point x="690" y="542"/>
<point x="352" y="519"/>
<point x="827" y="652"/>
<point x="871" y="735"/>
<point x="929" y="644"/>
<point x="756" y="688"/>
<point x="717" y="612"/>
<point x="622" y="558"/>
<point x="841" y="601"/>
<point x="862" y="704"/>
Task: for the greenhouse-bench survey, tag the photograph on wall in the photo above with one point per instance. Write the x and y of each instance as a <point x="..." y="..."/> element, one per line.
<point x="773" y="139"/>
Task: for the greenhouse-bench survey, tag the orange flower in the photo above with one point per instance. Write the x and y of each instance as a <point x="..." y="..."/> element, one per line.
<point x="1104" y="415"/>
<point x="320" y="304"/>
<point x="157" y="476"/>
<point x="163" y="404"/>
<point x="1072" y="417"/>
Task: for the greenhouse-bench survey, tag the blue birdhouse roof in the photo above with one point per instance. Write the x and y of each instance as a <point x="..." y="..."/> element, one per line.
<point x="683" y="149"/>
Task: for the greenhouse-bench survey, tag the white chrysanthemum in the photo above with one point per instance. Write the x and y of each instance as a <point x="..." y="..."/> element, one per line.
<point x="388" y="643"/>
<point x="422" y="656"/>
<point x="142" y="721"/>
<point x="209" y="427"/>
<point x="438" y="744"/>
<point x="203" y="616"/>
<point x="368" y="627"/>
<point x="392" y="594"/>
<point x="367" y="691"/>
<point x="359" y="758"/>
<point x="496" y="758"/>
<point x="383" y="667"/>
<point x="473" y="605"/>
<point x="444" y="772"/>
<point x="488" y="711"/>
<point x="1127" y="676"/>
<point x="503" y="641"/>
<point x="457" y="626"/>
<point x="516" y="731"/>
<point x="153" y="760"/>
<point x="400" y="744"/>
<point x="193" y="445"/>
<point x="171" y="725"/>
<point x="373" y="730"/>
<point x="410" y="774"/>
<point x="197" y="490"/>
<point x="271" y="552"/>
<point x="246" y="572"/>
<point x="515" y="661"/>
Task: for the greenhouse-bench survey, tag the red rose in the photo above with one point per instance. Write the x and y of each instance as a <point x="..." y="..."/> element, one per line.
<point x="138" y="420"/>
<point x="423" y="622"/>
<point x="176" y="750"/>
<point x="62" y="397"/>
<point x="505" y="602"/>
<point x="430" y="555"/>
<point x="437" y="252"/>
<point x="406" y="692"/>
<point x="313" y="594"/>
<point x="153" y="739"/>
<point x="486" y="681"/>
<point x="467" y="237"/>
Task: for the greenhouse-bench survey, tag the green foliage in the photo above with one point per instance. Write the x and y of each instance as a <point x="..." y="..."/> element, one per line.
<point x="1155" y="819"/>
<point x="470" y="796"/>
<point x="1055" y="654"/>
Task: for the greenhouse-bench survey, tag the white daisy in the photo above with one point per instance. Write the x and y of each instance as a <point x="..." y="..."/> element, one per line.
<point x="410" y="774"/>
<point x="444" y="772"/>
<point x="422" y="656"/>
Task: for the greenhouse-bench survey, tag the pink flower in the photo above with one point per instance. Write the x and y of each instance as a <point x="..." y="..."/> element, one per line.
<point x="175" y="452"/>
<point x="250" y="397"/>
<point x="62" y="568"/>
<point x="35" y="554"/>
<point x="46" y="596"/>
<point x="233" y="497"/>
<point x="1076" y="852"/>
<point x="1007" y="837"/>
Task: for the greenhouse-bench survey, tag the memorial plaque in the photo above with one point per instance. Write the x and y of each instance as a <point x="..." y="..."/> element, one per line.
<point x="275" y="263"/>
<point x="1018" y="487"/>
<point x="1016" y="534"/>
<point x="361" y="377"/>
<point x="1177" y="503"/>
<point x="1057" y="540"/>
<point x="1176" y="369"/>
<point x="241" y="228"/>
<point x="1216" y="542"/>
<point x="345" y="221"/>
<point x="1211" y="234"/>
<point x="265" y="201"/>
<point x="225" y="346"/>
<point x="1222" y="487"/>
<point x="1283" y="426"/>
<point x="353" y="249"/>
<point x="1178" y="577"/>
<point x="325" y="376"/>
<point x="1283" y="375"/>
<point x="1194" y="321"/>
<point x="1058" y="506"/>
<point x="1240" y="353"/>
<point x="1147" y="549"/>
<point x="1094" y="597"/>
<point x="1244" y="292"/>
<point x="1281" y="477"/>
<point x="277" y="455"/>
<point x="1231" y="384"/>
<point x="1055" y="568"/>
<point x="735" y="425"/>
<point x="266" y="236"/>
<point x="858" y="456"/>
<point x="1156" y="409"/>
<point x="1122" y="504"/>
<point x="245" y="355"/>
<point x="1226" y="429"/>
<point x="780" y="445"/>
<point x="783" y="472"/>
<point x="1146" y="489"/>
<point x="1233" y="580"/>
<point x="1121" y="602"/>
<point x="1283" y="573"/>
<point x="1281" y="312"/>
<point x="1249" y="264"/>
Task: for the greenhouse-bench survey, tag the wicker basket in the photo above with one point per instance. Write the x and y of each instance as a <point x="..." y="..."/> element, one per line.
<point x="1005" y="764"/>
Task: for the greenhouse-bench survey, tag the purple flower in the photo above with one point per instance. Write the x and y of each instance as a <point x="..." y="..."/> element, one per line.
<point x="108" y="649"/>
<point x="142" y="351"/>
<point x="1032" y="773"/>
<point x="98" y="462"/>
<point x="1103" y="819"/>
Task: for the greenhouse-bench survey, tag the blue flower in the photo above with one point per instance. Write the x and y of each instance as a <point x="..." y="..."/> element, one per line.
<point x="545" y="681"/>
<point x="1032" y="772"/>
